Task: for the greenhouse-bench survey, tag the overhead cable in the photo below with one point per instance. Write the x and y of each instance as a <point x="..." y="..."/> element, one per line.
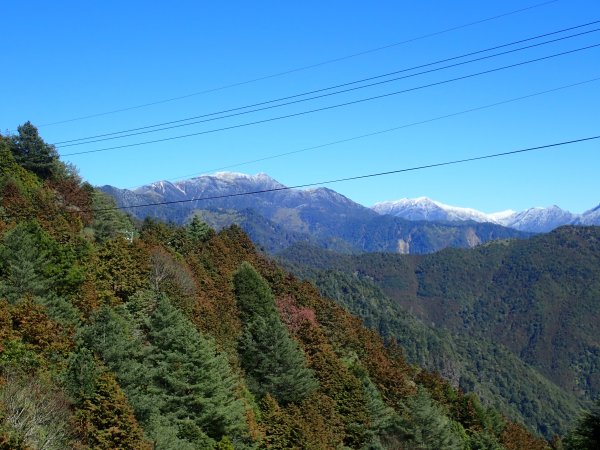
<point x="299" y="69"/>
<point x="325" y="108"/>
<point x="379" y="132"/>
<point x="192" y="120"/>
<point x="353" y="178"/>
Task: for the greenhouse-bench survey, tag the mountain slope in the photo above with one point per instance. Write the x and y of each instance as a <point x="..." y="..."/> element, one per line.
<point x="533" y="301"/>
<point x="474" y="364"/>
<point x="591" y="217"/>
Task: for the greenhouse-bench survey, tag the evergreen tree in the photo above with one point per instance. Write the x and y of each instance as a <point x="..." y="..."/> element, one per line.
<point x="32" y="153"/>
<point x="253" y="294"/>
<point x="81" y="376"/>
<point x="25" y="261"/>
<point x="273" y="362"/>
<point x="195" y="385"/>
<point x="199" y="231"/>
<point x="165" y="436"/>
<point x="428" y="427"/>
<point x="109" y="223"/>
<point x="106" y="420"/>
<point x="111" y="335"/>
<point x="586" y="434"/>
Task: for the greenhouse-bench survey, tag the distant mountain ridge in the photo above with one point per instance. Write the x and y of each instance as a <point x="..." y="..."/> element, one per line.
<point x="320" y="216"/>
<point x="534" y="220"/>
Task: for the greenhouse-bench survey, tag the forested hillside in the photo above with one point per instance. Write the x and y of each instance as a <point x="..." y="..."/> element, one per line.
<point x="166" y="337"/>
<point x="506" y="317"/>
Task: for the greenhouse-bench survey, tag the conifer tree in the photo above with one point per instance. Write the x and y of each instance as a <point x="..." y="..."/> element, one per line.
<point x="586" y="434"/>
<point x="428" y="426"/>
<point x="106" y="420"/>
<point x="81" y="375"/>
<point x="109" y="223"/>
<point x="110" y="334"/>
<point x="253" y="294"/>
<point x="195" y="384"/>
<point x="32" y="153"/>
<point x="24" y="258"/>
<point x="273" y="362"/>
<point x="198" y="230"/>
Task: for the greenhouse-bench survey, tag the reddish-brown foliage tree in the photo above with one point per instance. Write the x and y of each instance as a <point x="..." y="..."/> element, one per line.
<point x="292" y="315"/>
<point x="35" y="328"/>
<point x="313" y="424"/>
<point x="106" y="420"/>
<point x="516" y="437"/>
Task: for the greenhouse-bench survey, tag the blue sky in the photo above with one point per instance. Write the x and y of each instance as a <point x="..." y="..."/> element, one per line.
<point x="64" y="60"/>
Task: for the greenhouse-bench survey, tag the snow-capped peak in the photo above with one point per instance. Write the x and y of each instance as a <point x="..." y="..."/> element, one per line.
<point x="236" y="176"/>
<point x="424" y="208"/>
<point x="502" y="215"/>
<point x="537" y="219"/>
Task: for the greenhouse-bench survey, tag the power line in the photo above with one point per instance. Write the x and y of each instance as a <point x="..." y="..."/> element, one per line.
<point x="154" y="128"/>
<point x="325" y="108"/>
<point x="299" y="69"/>
<point x="379" y="132"/>
<point x="353" y="178"/>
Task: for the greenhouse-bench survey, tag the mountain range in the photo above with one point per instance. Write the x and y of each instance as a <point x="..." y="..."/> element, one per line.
<point x="534" y="220"/>
<point x="281" y="217"/>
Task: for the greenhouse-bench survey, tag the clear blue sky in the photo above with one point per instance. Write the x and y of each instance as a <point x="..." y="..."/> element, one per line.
<point x="63" y="60"/>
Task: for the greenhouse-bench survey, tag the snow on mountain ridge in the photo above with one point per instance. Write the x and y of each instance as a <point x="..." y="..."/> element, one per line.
<point x="537" y="219"/>
<point x="502" y="216"/>
<point x="424" y="208"/>
<point x="234" y="176"/>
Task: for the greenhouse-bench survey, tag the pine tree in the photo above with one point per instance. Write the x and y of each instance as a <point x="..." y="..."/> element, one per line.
<point x="25" y="260"/>
<point x="253" y="294"/>
<point x="81" y="375"/>
<point x="273" y="361"/>
<point x="428" y="426"/>
<point x="199" y="231"/>
<point x="586" y="434"/>
<point x="194" y="382"/>
<point x="111" y="335"/>
<point x="32" y="153"/>
<point x="109" y="223"/>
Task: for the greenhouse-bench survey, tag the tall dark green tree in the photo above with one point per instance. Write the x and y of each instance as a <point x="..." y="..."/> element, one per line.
<point x="32" y="153"/>
<point x="25" y="261"/>
<point x="111" y="336"/>
<point x="273" y="361"/>
<point x="586" y="434"/>
<point x="428" y="427"/>
<point x="253" y="294"/>
<point x="198" y="230"/>
<point x="195" y="384"/>
<point x="109" y="222"/>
